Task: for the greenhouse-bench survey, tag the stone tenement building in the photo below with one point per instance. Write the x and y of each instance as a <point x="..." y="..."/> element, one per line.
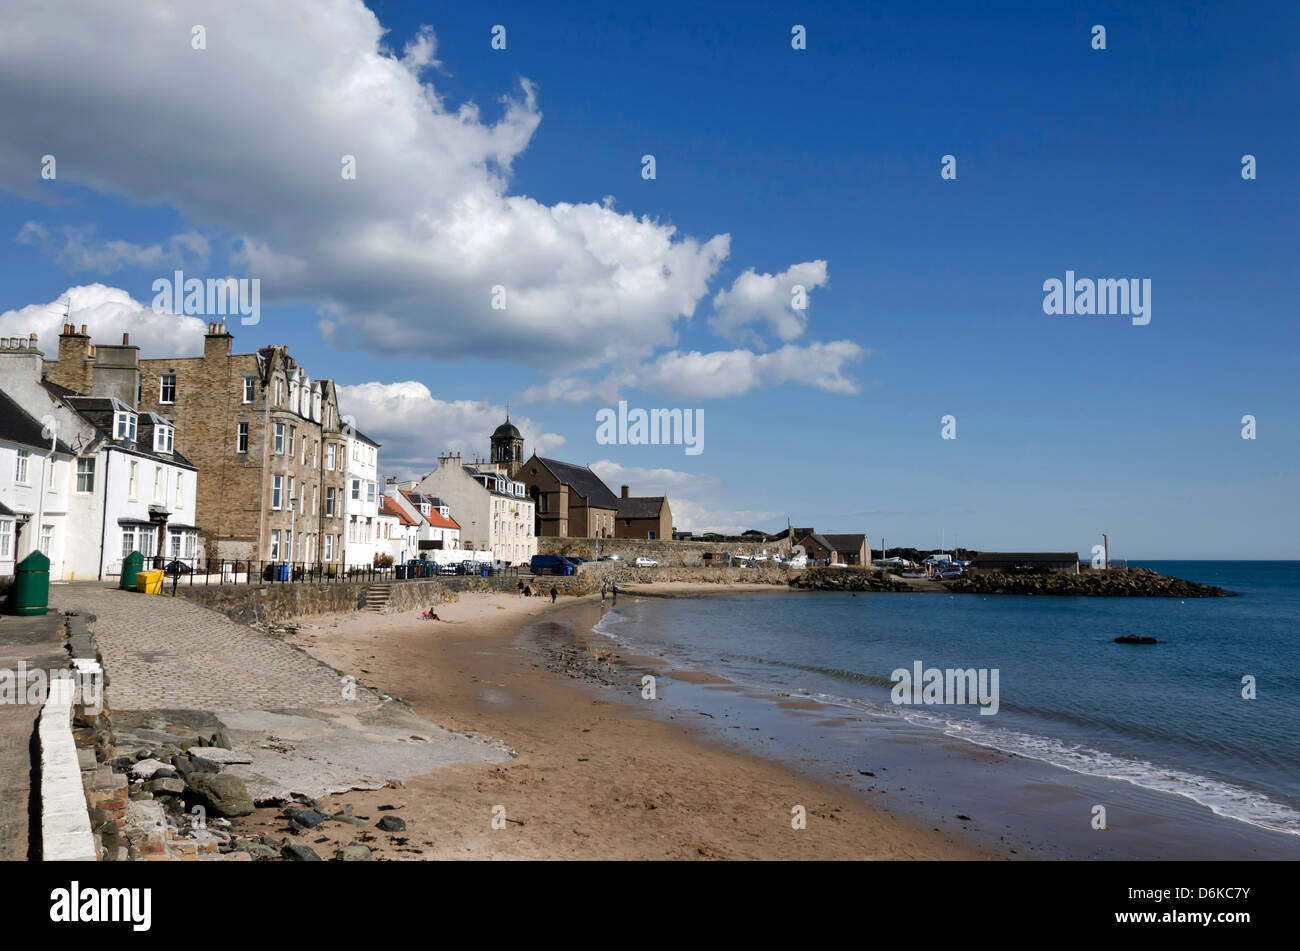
<point x="267" y="440"/>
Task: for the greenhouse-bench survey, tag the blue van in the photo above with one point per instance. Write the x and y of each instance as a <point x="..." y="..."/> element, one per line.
<point x="550" y="565"/>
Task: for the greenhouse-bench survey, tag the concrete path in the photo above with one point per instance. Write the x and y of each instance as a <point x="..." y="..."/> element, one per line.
<point x="38" y="643"/>
<point x="176" y="670"/>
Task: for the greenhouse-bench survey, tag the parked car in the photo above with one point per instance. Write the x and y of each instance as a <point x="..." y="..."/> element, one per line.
<point x="647" y="563"/>
<point x="950" y="573"/>
<point x="551" y="565"/>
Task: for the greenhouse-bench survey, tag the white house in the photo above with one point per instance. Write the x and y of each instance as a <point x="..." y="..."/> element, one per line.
<point x="398" y="532"/>
<point x="436" y="530"/>
<point x="114" y="483"/>
<point x="33" y="489"/>
<point x="360" y="498"/>
<point x="494" y="511"/>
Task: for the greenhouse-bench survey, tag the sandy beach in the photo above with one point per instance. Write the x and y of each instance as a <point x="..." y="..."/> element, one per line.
<point x="594" y="777"/>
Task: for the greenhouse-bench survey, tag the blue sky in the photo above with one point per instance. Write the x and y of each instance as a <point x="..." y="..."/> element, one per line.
<point x="1122" y="163"/>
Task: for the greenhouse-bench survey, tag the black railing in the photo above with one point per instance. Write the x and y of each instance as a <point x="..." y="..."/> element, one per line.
<point x="209" y="571"/>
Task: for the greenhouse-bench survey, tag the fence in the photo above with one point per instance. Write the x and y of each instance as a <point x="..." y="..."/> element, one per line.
<point x="207" y="571"/>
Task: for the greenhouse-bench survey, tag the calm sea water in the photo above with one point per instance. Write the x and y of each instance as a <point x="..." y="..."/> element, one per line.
<point x="1168" y="717"/>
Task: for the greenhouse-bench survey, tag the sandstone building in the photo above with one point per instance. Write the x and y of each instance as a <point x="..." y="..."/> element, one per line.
<point x="643" y="516"/>
<point x="267" y="440"/>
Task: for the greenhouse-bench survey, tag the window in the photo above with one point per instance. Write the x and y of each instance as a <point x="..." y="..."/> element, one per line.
<point x="293" y="432"/>
<point x="329" y="547"/>
<point x="124" y="425"/>
<point x="47" y="539"/>
<point x="290" y="503"/>
<point x="241" y="438"/>
<point x="191" y="540"/>
<point x="275" y="543"/>
<point x="370" y="491"/>
<point x="180" y="490"/>
<point x="303" y="459"/>
<point x="329" y="501"/>
<point x="279" y="392"/>
<point x="6" y="537"/>
<point x="315" y="500"/>
<point x="86" y="475"/>
<point x="174" y="545"/>
<point x="276" y="489"/>
<point x="132" y="474"/>
<point x="167" y="388"/>
<point x="163" y="438"/>
<point x="158" y="484"/>
<point x="315" y="446"/>
<point x="356" y="490"/>
<point x="144" y="539"/>
<point x="20" y="472"/>
<point x="49" y="482"/>
<point x="329" y="456"/>
<point x="248" y="389"/>
<point x="279" y="438"/>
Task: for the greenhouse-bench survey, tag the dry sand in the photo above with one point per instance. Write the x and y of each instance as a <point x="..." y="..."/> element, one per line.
<point x="594" y="778"/>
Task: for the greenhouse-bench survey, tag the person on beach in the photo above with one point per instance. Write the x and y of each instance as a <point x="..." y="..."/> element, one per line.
<point x="615" y="590"/>
<point x="519" y="588"/>
<point x="555" y="593"/>
<point x="603" y="588"/>
<point x="528" y="591"/>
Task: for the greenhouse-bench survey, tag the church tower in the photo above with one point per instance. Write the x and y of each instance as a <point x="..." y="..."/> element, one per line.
<point x="508" y="447"/>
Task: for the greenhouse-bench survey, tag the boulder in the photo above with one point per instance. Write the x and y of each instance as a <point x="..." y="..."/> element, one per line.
<point x="353" y="853"/>
<point x="221" y="794"/>
<point x="299" y="853"/>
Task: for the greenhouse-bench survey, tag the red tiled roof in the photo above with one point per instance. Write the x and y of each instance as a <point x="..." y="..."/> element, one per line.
<point x="437" y="521"/>
<point x="388" y="507"/>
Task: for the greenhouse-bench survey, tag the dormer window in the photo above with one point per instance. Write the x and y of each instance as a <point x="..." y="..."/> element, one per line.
<point x="124" y="424"/>
<point x="163" y="438"/>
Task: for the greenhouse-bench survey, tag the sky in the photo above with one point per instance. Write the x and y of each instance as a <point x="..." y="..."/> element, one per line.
<point x="215" y="138"/>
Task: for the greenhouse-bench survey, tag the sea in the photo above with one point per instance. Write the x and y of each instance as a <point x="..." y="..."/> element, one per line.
<point x="1197" y="733"/>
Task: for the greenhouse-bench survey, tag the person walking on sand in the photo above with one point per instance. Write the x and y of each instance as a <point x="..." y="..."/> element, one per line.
<point x="615" y="590"/>
<point x="603" y="586"/>
<point x="519" y="588"/>
<point x="555" y="593"/>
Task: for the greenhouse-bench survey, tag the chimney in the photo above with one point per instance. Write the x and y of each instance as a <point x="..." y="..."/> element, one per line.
<point x="216" y="343"/>
<point x="20" y="366"/>
<point x="116" y="372"/>
<point x="72" y="368"/>
<point x="624" y="491"/>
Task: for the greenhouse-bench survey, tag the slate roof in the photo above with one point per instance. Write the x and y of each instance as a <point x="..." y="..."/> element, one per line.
<point x="19" y="426"/>
<point x="840" y="544"/>
<point x="583" y="481"/>
<point x="98" y="411"/>
<point x="643" y="506"/>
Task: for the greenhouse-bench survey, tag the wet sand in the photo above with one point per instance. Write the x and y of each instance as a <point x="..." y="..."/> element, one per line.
<point x="596" y="777"/>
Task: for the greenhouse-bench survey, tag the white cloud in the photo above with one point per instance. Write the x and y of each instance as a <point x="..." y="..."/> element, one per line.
<point x="415" y="427"/>
<point x="654" y="481"/>
<point x="107" y="312"/>
<point x="79" y="250"/>
<point x="769" y="298"/>
<point x="248" y="135"/>
<point x="723" y="373"/>
<point x="690" y="516"/>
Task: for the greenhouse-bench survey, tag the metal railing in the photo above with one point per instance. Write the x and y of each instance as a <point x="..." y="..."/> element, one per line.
<point x="210" y="571"/>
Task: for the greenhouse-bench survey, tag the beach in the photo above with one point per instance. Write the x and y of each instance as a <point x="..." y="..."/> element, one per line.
<point x="595" y="775"/>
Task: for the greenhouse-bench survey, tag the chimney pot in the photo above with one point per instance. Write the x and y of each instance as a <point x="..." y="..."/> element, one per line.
<point x="624" y="491"/>
<point x="126" y="339"/>
<point x="83" y="330"/>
